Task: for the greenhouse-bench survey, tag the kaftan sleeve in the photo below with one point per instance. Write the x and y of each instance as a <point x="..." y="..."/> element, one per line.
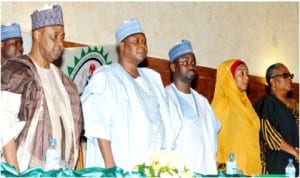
<point x="96" y="113"/>
<point x="10" y="126"/>
<point x="267" y="110"/>
<point x="271" y="136"/>
<point x="174" y="126"/>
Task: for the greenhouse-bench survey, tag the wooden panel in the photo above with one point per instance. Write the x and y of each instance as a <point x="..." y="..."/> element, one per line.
<point x="205" y="82"/>
<point x="256" y="88"/>
<point x="161" y="66"/>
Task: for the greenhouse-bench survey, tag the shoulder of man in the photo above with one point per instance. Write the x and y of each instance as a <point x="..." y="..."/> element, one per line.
<point x="98" y="81"/>
<point x="16" y="72"/>
<point x="104" y="69"/>
<point x="16" y="66"/>
<point x="150" y="72"/>
<point x="18" y="63"/>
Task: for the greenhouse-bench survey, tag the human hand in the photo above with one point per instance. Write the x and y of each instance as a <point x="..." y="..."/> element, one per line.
<point x="297" y="154"/>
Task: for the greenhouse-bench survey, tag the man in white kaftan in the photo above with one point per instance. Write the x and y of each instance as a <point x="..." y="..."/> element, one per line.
<point x="129" y="109"/>
<point x="197" y="140"/>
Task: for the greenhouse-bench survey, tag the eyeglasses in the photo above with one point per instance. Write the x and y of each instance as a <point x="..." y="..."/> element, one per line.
<point x="186" y="63"/>
<point x="284" y="75"/>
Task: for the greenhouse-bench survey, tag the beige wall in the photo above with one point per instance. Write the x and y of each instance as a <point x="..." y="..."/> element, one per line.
<point x="260" y="33"/>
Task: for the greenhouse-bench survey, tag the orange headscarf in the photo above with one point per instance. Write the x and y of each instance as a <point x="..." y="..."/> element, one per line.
<point x="240" y="124"/>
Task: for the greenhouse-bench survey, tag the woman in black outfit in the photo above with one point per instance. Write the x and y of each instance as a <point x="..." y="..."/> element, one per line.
<point x="279" y="116"/>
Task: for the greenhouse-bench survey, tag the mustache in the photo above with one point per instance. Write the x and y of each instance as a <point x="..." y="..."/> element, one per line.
<point x="192" y="70"/>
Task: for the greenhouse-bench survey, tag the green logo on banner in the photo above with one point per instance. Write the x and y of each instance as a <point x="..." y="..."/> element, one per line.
<point x="86" y="64"/>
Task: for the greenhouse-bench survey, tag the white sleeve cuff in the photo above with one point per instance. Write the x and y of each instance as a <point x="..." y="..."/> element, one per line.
<point x="10" y="126"/>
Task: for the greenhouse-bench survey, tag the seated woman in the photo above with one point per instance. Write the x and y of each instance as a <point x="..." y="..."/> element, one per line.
<point x="240" y="124"/>
<point x="279" y="117"/>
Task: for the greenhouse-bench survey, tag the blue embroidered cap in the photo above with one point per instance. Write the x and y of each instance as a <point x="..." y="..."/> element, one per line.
<point x="180" y="49"/>
<point x="10" y="31"/>
<point x="129" y="27"/>
<point x="47" y="17"/>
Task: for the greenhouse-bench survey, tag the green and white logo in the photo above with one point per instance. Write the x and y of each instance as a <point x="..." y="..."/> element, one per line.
<point x="84" y="66"/>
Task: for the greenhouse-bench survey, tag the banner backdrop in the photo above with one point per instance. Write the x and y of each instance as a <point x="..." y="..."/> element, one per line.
<point x="79" y="63"/>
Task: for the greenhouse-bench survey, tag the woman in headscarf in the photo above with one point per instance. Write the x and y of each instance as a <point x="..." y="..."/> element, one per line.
<point x="279" y="116"/>
<point x="239" y="133"/>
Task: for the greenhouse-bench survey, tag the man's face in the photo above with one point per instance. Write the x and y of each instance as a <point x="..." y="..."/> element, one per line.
<point x="51" y="42"/>
<point x="184" y="68"/>
<point x="135" y="48"/>
<point x="12" y="48"/>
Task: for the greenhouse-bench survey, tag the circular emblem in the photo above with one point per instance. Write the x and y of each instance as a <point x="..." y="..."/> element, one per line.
<point x="86" y="65"/>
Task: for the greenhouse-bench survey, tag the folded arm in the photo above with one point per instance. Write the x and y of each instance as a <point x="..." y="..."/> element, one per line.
<point x="275" y="141"/>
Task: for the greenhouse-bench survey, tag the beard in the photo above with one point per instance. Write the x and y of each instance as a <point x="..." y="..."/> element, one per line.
<point x="190" y="75"/>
